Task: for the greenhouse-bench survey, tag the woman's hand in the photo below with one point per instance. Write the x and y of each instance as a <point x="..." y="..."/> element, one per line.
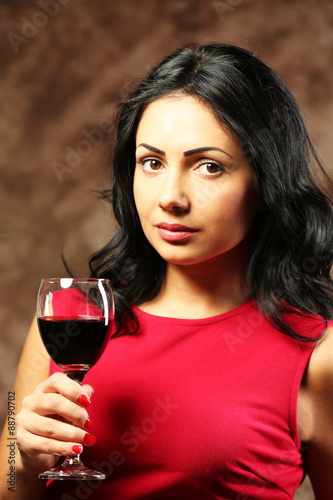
<point x="44" y="424"/>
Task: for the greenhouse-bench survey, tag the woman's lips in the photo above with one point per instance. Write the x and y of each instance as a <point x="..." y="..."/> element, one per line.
<point x="174" y="232"/>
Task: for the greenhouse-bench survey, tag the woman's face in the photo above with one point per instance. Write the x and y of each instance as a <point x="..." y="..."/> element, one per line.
<point x="195" y="192"/>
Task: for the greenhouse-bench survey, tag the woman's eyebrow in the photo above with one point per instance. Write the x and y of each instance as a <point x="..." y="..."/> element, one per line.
<point x="186" y="153"/>
<point x="202" y="150"/>
<point x="152" y="148"/>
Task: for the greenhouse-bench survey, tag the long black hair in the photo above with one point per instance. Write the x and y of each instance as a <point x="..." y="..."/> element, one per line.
<point x="291" y="257"/>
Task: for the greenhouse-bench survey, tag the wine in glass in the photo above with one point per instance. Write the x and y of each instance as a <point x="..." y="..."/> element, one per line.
<point x="74" y="317"/>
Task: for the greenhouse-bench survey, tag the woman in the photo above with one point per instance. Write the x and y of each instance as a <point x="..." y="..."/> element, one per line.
<point x="219" y="376"/>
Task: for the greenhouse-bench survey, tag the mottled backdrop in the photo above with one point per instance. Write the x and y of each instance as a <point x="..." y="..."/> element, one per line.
<point x="63" y="65"/>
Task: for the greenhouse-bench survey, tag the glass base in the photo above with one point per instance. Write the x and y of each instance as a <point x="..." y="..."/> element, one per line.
<point x="71" y="468"/>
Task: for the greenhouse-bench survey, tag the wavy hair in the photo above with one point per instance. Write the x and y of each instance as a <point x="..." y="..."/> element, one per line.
<point x="289" y="263"/>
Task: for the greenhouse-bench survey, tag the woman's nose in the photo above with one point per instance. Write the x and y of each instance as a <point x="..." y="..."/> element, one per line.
<point x="173" y="193"/>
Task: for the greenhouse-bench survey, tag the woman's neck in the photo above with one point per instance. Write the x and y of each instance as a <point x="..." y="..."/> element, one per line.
<point x="200" y="290"/>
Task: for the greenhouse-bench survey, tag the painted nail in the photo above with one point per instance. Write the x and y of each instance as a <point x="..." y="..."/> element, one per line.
<point x="89" y="439"/>
<point x="77" y="448"/>
<point x="84" y="400"/>
<point x="88" y="424"/>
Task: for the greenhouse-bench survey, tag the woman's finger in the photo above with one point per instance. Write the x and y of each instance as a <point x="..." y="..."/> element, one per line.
<point x="46" y="404"/>
<point x="60" y="383"/>
<point x="52" y="428"/>
<point x="32" y="444"/>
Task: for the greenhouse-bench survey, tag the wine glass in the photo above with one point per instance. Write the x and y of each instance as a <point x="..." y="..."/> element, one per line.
<point x="74" y="318"/>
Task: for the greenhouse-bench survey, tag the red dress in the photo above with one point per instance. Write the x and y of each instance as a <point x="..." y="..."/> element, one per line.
<point x="196" y="409"/>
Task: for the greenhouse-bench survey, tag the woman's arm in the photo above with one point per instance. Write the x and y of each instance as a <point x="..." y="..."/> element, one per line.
<point x="33" y="369"/>
<point x="317" y="418"/>
<point x="39" y="439"/>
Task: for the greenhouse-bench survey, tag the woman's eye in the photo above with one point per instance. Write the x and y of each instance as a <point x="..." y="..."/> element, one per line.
<point x="210" y="168"/>
<point x="150" y="164"/>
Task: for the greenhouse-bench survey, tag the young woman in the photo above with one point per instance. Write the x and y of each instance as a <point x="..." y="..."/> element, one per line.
<point x="218" y="381"/>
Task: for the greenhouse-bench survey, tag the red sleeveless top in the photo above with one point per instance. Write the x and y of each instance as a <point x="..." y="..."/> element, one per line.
<point x="196" y="409"/>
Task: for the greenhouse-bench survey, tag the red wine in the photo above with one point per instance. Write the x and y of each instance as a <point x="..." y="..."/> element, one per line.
<point x="73" y="341"/>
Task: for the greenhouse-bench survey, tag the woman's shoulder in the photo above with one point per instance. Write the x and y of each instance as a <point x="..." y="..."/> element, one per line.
<point x="320" y="368"/>
<point x="315" y="411"/>
<point x="316" y="394"/>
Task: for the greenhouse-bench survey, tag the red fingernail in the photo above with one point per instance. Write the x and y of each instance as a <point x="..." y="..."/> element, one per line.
<point x="88" y="424"/>
<point x="89" y="439"/>
<point x="84" y="400"/>
<point x="77" y="448"/>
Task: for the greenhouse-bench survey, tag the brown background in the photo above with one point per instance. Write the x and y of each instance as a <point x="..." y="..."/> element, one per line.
<point x="62" y="67"/>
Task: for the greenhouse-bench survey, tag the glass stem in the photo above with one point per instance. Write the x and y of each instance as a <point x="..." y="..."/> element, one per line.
<point x="70" y="461"/>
